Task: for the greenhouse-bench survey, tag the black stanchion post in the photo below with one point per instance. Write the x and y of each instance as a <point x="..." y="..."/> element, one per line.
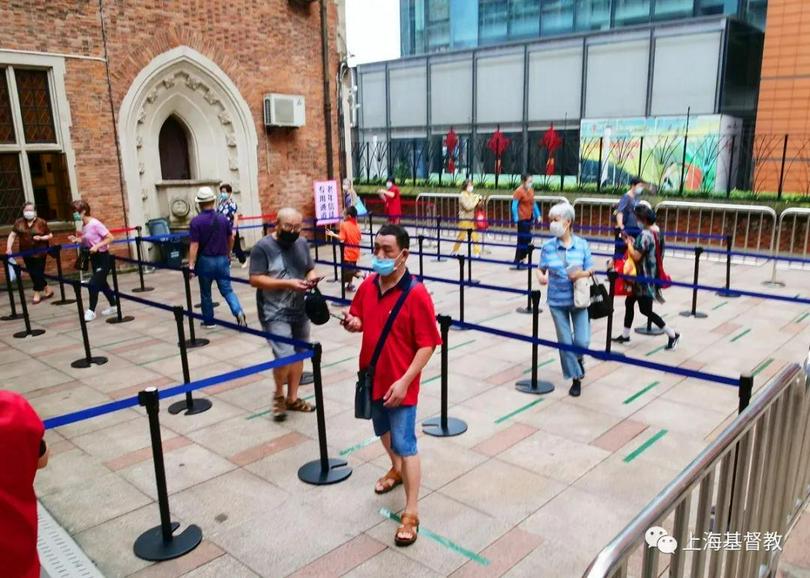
<point x="694" y="312"/>
<point x="264" y="228"/>
<point x="324" y="470"/>
<point x="190" y="405"/>
<point x="534" y="385"/>
<point x="88" y="358"/>
<point x="139" y="253"/>
<point x="334" y="261"/>
<point x="56" y="252"/>
<point x="315" y="240"/>
<point x="421" y="257"/>
<point x="530" y="282"/>
<point x="727" y="292"/>
<point x="10" y="291"/>
<point x="160" y="543"/>
<point x="649" y="329"/>
<point x="461" y="284"/>
<point x="24" y="306"/>
<point x="612" y="276"/>
<point x="438" y="258"/>
<point x="444" y="426"/>
<point x="470" y="279"/>
<point x="343" y="264"/>
<point x="119" y="318"/>
<point x="192" y="341"/>
<point x="744" y="392"/>
<point x="370" y="232"/>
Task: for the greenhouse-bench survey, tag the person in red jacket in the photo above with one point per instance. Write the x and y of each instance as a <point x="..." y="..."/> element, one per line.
<point x="393" y="202"/>
<point x="22" y="453"/>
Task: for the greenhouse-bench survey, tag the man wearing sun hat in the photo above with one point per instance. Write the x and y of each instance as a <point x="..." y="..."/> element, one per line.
<point x="208" y="256"/>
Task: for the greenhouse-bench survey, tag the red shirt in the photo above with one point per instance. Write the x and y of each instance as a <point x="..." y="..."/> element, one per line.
<point x="393" y="205"/>
<point x="414" y="328"/>
<point x="21" y="432"/>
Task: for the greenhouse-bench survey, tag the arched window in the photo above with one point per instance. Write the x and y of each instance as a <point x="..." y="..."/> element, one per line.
<point x="173" y="145"/>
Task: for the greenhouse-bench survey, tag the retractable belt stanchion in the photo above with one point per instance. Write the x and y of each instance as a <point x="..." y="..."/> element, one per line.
<point x="28" y="332"/>
<point x="438" y="258"/>
<point x="534" y="385"/>
<point x="315" y="241"/>
<point x="744" y="398"/>
<point x="461" y="284"/>
<point x="343" y="264"/>
<point x="528" y="308"/>
<point x="119" y="318"/>
<point x="160" y="543"/>
<point x="649" y="329"/>
<point x="334" y="261"/>
<point x="470" y="279"/>
<point x="56" y="252"/>
<point x="139" y="253"/>
<point x="10" y="291"/>
<point x="88" y="359"/>
<point x="189" y="405"/>
<point x="727" y="292"/>
<point x="370" y="232"/>
<point x="264" y="228"/>
<point x="325" y="470"/>
<point x="612" y="276"/>
<point x="193" y="340"/>
<point x="694" y="312"/>
<point x="421" y="239"/>
<point x="444" y="426"/>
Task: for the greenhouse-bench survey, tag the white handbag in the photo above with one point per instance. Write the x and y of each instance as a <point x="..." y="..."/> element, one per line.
<point x="582" y="293"/>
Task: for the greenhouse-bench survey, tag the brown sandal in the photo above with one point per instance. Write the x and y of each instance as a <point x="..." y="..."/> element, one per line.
<point x="279" y="408"/>
<point x="395" y="479"/>
<point x="300" y="405"/>
<point x="410" y="525"/>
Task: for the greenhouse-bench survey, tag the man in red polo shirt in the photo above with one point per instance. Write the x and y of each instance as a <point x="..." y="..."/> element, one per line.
<point x="406" y="351"/>
<point x="392" y="198"/>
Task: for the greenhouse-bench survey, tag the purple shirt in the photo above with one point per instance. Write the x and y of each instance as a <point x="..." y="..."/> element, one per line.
<point x="212" y="231"/>
<point x="93" y="233"/>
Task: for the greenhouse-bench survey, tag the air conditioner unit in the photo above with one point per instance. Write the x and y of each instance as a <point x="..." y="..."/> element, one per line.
<point x="287" y="110"/>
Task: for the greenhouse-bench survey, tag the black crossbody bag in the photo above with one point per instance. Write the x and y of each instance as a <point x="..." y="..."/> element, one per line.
<point x="365" y="377"/>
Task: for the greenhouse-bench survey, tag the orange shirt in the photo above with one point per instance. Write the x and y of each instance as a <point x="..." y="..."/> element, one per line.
<point x="525" y="199"/>
<point x="351" y="236"/>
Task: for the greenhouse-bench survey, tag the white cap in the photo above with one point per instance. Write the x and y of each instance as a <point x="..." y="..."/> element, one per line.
<point x="205" y="195"/>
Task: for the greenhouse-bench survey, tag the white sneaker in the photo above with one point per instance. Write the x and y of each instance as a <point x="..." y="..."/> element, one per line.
<point x="89" y="315"/>
<point x="108" y="311"/>
<point x="244" y="265"/>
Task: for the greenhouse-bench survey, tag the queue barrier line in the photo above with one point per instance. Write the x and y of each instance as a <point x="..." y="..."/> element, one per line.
<point x="95" y="411"/>
<point x="491" y="244"/>
<point x="601" y="355"/>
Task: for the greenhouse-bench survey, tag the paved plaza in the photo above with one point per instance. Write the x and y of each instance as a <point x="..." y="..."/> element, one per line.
<point x="535" y="487"/>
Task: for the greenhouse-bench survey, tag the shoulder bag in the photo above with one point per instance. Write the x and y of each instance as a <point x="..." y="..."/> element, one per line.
<point x="581" y="287"/>
<point x="365" y="377"/>
<point x="600" y="300"/>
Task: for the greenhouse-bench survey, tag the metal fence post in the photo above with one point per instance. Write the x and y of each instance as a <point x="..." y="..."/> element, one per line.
<point x="782" y="169"/>
<point x="599" y="167"/>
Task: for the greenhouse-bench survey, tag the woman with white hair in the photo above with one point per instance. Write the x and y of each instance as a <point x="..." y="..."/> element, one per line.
<point x="564" y="259"/>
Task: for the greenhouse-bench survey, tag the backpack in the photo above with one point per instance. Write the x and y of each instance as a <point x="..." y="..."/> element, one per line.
<point x="662" y="276"/>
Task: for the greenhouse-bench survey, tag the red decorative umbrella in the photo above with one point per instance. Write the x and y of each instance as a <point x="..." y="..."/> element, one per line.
<point x="552" y="141"/>
<point x="451" y="140"/>
<point x="498" y="143"/>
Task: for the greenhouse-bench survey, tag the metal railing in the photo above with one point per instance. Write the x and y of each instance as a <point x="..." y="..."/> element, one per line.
<point x="753" y="478"/>
<point x="797" y="245"/>
<point x="499" y="213"/>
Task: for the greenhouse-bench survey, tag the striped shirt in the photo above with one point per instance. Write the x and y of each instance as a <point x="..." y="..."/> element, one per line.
<point x="556" y="258"/>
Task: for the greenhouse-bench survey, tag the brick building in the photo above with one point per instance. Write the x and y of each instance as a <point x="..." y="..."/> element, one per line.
<point x="133" y="105"/>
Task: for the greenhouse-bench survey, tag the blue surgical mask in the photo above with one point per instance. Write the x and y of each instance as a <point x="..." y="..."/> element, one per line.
<point x="383" y="267"/>
<point x="77" y="216"/>
<point x="223" y="197"/>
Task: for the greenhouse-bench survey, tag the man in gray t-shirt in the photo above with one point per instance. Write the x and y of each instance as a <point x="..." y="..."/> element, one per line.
<point x="282" y="270"/>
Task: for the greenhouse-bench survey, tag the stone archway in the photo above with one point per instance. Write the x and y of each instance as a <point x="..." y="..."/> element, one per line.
<point x="184" y="84"/>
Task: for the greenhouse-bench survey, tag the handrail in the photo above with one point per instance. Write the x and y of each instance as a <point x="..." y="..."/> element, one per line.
<point x="794" y="212"/>
<point x="612" y="560"/>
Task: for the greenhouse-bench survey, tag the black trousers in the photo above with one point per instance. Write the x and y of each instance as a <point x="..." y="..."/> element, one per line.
<point x="238" y="252"/>
<point x="645" y="305"/>
<point x="100" y="263"/>
<point x="524" y="237"/>
<point x="36" y="269"/>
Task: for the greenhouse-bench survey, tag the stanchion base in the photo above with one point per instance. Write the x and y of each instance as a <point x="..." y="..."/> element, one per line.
<point x="332" y="281"/>
<point x="151" y="546"/>
<point x="773" y="283"/>
<point x="198" y="342"/>
<point x="307" y="378"/>
<point x="456" y="328"/>
<point x="199" y="305"/>
<point x="728" y="294"/>
<point x="12" y="317"/>
<point x="524" y="310"/>
<point x="124" y="319"/>
<point x="142" y="289"/>
<point x="642" y="330"/>
<point x="84" y="363"/>
<point x="696" y="314"/>
<point x="32" y="333"/>
<point x="543" y="387"/>
<point x="438" y="260"/>
<point x="433" y="427"/>
<point x="473" y="282"/>
<point x="198" y="405"/>
<point x="312" y="473"/>
<point x="63" y="302"/>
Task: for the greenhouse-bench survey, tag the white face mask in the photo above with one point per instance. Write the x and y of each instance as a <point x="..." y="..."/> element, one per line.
<point x="470" y="189"/>
<point x="388" y="185"/>
<point x="557" y="228"/>
<point x="29" y="215"/>
<point x="529" y="184"/>
<point x="639" y="189"/>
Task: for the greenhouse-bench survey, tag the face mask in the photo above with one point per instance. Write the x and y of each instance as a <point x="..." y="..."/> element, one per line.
<point x="557" y="228"/>
<point x="529" y="184"/>
<point x="29" y="215"/>
<point x="383" y="267"/>
<point x="639" y="189"/>
<point x="223" y="197"/>
<point x="77" y="216"/>
<point x="388" y="185"/>
<point x="287" y="238"/>
<point x="470" y="189"/>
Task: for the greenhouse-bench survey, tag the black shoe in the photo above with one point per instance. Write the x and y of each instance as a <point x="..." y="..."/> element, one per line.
<point x="672" y="344"/>
<point x="575" y="388"/>
<point x="581" y="365"/>
<point x="621" y="339"/>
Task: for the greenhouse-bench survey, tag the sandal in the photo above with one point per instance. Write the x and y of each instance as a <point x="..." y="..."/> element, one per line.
<point x="36" y="300"/>
<point x="300" y="405"/>
<point x="47" y="295"/>
<point x="388" y="482"/>
<point x="279" y="408"/>
<point x="410" y="526"/>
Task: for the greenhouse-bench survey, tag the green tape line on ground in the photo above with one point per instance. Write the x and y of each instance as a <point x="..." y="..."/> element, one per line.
<point x="360" y="446"/>
<point x="641" y="392"/>
<point x="643" y="447"/>
<point x="719" y="305"/>
<point x="740" y="336"/>
<point x="539" y="365"/>
<point x="518" y="410"/>
<point x="337" y="362"/>
<point x="494" y="317"/>
<point x="434" y="378"/>
<point x="460" y="345"/>
<point x="802" y="317"/>
<point x="761" y="367"/>
<point x="654" y="351"/>
<point x="446" y="542"/>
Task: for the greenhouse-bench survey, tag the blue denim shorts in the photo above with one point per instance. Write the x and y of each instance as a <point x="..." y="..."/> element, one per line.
<point x="401" y="422"/>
